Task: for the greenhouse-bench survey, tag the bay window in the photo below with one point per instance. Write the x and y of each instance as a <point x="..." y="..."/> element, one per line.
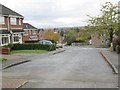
<point x="16" y="38"/>
<point x="5" y="39"/>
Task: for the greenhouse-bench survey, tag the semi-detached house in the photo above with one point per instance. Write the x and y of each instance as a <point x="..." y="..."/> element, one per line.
<point x="31" y="33"/>
<point x="11" y="26"/>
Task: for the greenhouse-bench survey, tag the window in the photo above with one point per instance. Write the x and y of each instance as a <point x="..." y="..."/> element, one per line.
<point x="13" y="21"/>
<point x="30" y="32"/>
<point x="2" y="20"/>
<point x="5" y="40"/>
<point x="26" y="32"/>
<point x="20" y="22"/>
<point x="16" y="38"/>
<point x="34" y="31"/>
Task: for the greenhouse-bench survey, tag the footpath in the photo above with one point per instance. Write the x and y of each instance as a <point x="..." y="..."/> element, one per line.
<point x="16" y="59"/>
<point x="112" y="59"/>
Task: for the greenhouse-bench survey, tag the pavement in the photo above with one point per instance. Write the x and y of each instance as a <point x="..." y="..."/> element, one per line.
<point x="77" y="67"/>
<point x="12" y="83"/>
<point x="112" y="59"/>
<point x="16" y="59"/>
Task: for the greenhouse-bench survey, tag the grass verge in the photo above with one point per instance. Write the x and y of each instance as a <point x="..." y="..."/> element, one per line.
<point x="28" y="51"/>
<point x="2" y="59"/>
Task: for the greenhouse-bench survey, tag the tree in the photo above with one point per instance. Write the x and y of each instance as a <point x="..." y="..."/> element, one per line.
<point x="51" y="35"/>
<point x="62" y="33"/>
<point x="70" y="36"/>
<point x="107" y="22"/>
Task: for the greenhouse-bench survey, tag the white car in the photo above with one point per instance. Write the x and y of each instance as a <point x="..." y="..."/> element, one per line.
<point x="90" y="42"/>
<point x="60" y="45"/>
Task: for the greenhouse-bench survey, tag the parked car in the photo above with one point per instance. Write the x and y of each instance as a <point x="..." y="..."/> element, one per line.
<point x="45" y="42"/>
<point x="59" y="45"/>
<point x="90" y="42"/>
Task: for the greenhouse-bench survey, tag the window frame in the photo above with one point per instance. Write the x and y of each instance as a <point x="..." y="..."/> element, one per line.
<point x="14" y="40"/>
<point x="6" y="41"/>
<point x="20" y="22"/>
<point x="2" y="20"/>
<point x="13" y="21"/>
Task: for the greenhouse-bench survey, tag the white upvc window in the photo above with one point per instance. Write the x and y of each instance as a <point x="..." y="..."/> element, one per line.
<point x="20" y="21"/>
<point x="34" y="32"/>
<point x="13" y="21"/>
<point x="2" y="20"/>
<point x="16" y="38"/>
<point x="5" y="39"/>
<point x="30" y="32"/>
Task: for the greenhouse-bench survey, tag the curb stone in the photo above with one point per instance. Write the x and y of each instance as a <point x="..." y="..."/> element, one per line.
<point x="14" y="64"/>
<point x="13" y="84"/>
<point x="21" y="85"/>
<point x="59" y="51"/>
<point x="110" y="64"/>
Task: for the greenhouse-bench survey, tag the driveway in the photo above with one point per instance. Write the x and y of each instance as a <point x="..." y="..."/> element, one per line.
<point x="77" y="67"/>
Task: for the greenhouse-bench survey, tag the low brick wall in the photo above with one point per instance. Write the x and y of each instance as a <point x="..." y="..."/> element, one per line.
<point x="4" y="50"/>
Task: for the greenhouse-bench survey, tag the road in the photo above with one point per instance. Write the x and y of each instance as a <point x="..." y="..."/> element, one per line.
<point x="77" y="67"/>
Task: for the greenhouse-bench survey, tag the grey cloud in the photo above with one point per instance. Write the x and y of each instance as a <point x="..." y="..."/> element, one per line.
<point x="47" y="12"/>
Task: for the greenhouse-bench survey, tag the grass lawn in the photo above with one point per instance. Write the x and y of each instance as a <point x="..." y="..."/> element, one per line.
<point x="2" y="59"/>
<point x="28" y="51"/>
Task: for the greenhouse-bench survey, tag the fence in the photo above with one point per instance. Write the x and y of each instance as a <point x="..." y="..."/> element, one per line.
<point x="79" y="44"/>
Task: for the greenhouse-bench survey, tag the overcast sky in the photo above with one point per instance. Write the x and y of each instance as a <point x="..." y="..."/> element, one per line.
<point x="56" y="13"/>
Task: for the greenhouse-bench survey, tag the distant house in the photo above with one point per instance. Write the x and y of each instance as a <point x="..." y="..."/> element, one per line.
<point x="41" y="33"/>
<point x="31" y="33"/>
<point x="98" y="41"/>
<point x="11" y="26"/>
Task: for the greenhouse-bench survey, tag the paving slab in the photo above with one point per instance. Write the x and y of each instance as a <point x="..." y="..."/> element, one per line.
<point x="12" y="83"/>
<point x="13" y="60"/>
<point x="112" y="56"/>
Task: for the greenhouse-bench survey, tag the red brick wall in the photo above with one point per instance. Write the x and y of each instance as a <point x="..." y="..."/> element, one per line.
<point x="6" y="23"/>
<point x="96" y="41"/>
<point x="12" y="26"/>
<point x="17" y="26"/>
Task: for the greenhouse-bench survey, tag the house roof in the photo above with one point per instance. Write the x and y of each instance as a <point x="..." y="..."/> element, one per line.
<point x="7" y="11"/>
<point x="28" y="26"/>
<point x="4" y="32"/>
<point x="17" y="31"/>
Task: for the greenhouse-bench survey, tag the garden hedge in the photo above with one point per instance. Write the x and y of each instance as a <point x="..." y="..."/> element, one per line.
<point x="33" y="47"/>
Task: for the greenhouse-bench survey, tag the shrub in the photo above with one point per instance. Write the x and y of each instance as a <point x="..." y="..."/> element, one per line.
<point x="2" y="59"/>
<point x="118" y="49"/>
<point x="116" y="42"/>
<point x="34" y="47"/>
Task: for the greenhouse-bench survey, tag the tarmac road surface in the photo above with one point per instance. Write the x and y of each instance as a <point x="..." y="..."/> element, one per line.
<point x="77" y="67"/>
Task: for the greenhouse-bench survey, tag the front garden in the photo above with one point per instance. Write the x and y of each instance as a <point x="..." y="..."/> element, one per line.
<point x="2" y="59"/>
<point x="28" y="48"/>
<point x="28" y="51"/>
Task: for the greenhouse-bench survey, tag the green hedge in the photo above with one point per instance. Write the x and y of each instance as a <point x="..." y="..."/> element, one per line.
<point x="33" y="47"/>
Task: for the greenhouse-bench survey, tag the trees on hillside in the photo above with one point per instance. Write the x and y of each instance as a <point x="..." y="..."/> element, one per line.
<point x="51" y="35"/>
<point x="77" y="35"/>
<point x="70" y="36"/>
<point x="107" y="22"/>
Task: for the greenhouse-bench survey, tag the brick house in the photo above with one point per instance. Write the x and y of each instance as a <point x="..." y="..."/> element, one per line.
<point x="11" y="26"/>
<point x="41" y="34"/>
<point x="98" y="41"/>
<point x="31" y="33"/>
